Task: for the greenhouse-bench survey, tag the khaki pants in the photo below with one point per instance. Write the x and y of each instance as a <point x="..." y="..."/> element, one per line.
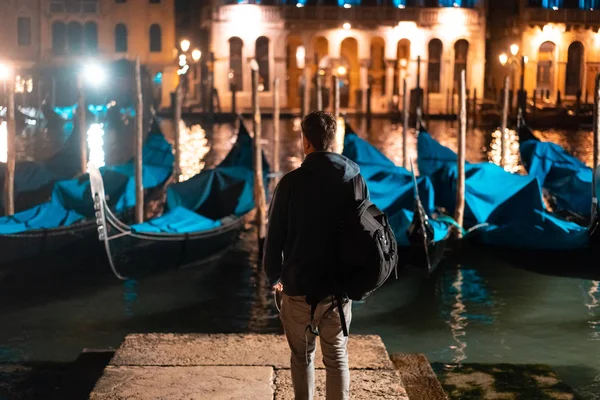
<point x="295" y="316"/>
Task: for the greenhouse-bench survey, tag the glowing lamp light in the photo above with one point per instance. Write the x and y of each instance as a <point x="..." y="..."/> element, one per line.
<point x="3" y="142"/>
<point x="299" y="5"/>
<point x="341" y="70"/>
<point x="321" y="72"/>
<point x="514" y="49"/>
<point x="347" y="5"/>
<point x="403" y="62"/>
<point x="196" y="55"/>
<point x="300" y="56"/>
<point x="94" y="74"/>
<point x="5" y="72"/>
<point x="401" y="6"/>
<point x="185" y="45"/>
<point x="95" y="141"/>
<point x="554" y="8"/>
<point x="525" y="59"/>
<point x="347" y="25"/>
<point x="503" y="58"/>
<point x="193" y="146"/>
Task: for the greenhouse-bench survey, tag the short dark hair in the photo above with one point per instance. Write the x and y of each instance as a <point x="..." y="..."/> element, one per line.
<point x="319" y="128"/>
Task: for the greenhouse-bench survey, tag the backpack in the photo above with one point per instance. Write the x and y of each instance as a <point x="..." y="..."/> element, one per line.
<point x="366" y="253"/>
<point x="366" y="248"/>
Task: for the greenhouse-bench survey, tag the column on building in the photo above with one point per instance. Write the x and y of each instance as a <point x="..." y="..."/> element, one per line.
<point x="279" y="68"/>
<point x="364" y="82"/>
<point x="389" y="81"/>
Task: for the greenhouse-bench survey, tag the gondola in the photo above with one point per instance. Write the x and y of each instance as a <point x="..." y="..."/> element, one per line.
<point x="203" y="217"/>
<point x="34" y="181"/>
<point x="408" y="202"/>
<point x="62" y="231"/>
<point x="505" y="215"/>
<point x="566" y="179"/>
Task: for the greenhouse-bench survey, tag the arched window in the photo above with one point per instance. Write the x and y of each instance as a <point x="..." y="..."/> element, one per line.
<point x="235" y="61"/>
<point x="121" y="38"/>
<point x="434" y="66"/>
<point x="59" y="38"/>
<point x="402" y="61"/>
<point x="461" y="49"/>
<point x="574" y="68"/>
<point x="74" y="36"/>
<point x="90" y="37"/>
<point x="545" y="70"/>
<point x="155" y="39"/>
<point x="262" y="57"/>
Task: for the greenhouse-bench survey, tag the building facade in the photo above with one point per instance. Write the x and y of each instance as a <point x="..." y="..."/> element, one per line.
<point x="373" y="44"/>
<point x="559" y="40"/>
<point x="46" y="34"/>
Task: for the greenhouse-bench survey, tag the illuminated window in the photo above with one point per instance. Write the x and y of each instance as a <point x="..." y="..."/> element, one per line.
<point x="155" y="39"/>
<point x="90" y="37"/>
<point x="236" y="46"/>
<point x="24" y="31"/>
<point x="574" y="68"/>
<point x="461" y="49"/>
<point x="74" y="36"/>
<point x="121" y="38"/>
<point x="59" y="38"/>
<point x="262" y="57"/>
<point x="434" y="66"/>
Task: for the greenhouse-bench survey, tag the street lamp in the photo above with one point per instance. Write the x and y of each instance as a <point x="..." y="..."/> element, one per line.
<point x="503" y="59"/>
<point x="196" y="54"/>
<point x="185" y="45"/>
<point x="93" y="74"/>
<point x="514" y="49"/>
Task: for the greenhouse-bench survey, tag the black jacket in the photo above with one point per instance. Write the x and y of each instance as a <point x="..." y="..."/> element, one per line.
<point x="306" y="209"/>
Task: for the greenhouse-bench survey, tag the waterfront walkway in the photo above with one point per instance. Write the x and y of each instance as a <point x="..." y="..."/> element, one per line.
<point x="252" y="367"/>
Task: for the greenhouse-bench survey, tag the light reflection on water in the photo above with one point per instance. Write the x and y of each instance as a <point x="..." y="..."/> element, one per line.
<point x="481" y="311"/>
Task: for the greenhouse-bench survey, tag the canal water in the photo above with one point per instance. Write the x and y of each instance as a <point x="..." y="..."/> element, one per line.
<point x="482" y="311"/>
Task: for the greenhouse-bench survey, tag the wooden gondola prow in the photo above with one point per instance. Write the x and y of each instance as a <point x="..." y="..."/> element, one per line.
<point x="462" y="134"/>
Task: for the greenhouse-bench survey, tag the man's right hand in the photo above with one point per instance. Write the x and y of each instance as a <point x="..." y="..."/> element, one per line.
<point x="278" y="287"/>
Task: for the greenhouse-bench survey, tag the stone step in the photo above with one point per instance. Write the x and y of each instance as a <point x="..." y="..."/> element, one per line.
<point x="251" y="366"/>
<point x="365" y="351"/>
<point x="420" y="381"/>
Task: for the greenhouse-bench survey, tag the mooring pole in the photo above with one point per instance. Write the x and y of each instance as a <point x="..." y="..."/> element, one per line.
<point x="474" y="109"/>
<point x="405" y="114"/>
<point x="462" y="136"/>
<point x="82" y="126"/>
<point x="11" y="151"/>
<point x="319" y="90"/>
<point x="139" y="138"/>
<point x="596" y="148"/>
<point x="260" y="200"/>
<point x="504" y="127"/>
<point x="336" y="97"/>
<point x="306" y="93"/>
<point x="276" y="112"/>
<point x="177" y="130"/>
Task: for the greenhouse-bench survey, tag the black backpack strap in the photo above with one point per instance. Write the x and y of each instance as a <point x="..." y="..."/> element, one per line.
<point x="358" y="188"/>
<point x="340" y="306"/>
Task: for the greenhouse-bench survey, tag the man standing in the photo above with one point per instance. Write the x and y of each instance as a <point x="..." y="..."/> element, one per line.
<point x="301" y="254"/>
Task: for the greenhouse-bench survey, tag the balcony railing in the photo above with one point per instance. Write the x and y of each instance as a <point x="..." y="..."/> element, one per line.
<point x="74" y="6"/>
<point x="379" y="15"/>
<point x="571" y="16"/>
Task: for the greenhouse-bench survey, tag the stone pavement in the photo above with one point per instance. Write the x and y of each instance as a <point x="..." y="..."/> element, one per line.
<point x="236" y="366"/>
